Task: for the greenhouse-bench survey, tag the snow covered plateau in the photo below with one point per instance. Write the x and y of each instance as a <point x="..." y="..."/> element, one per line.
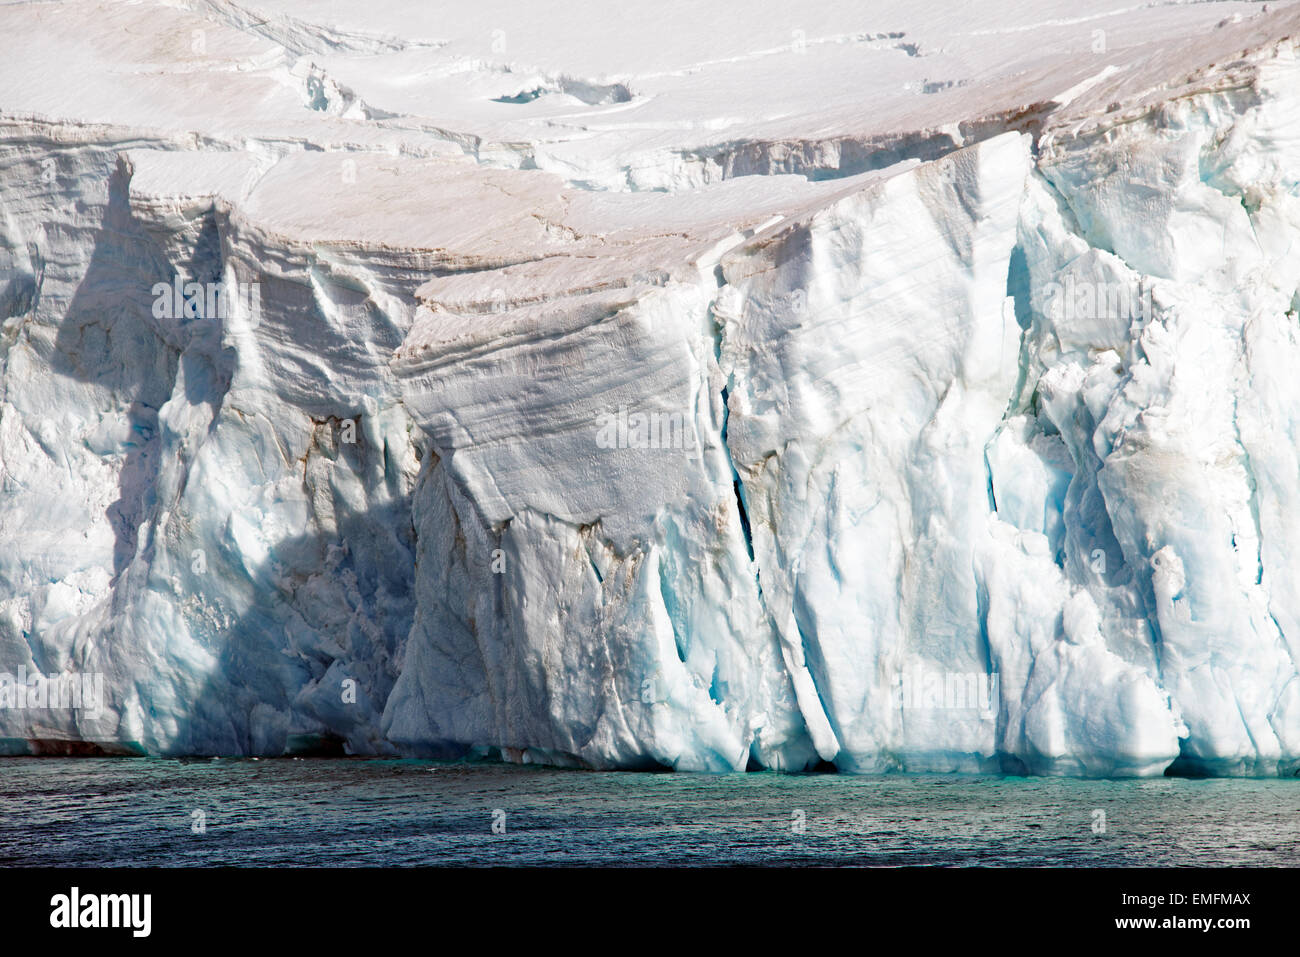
<point x="873" y="385"/>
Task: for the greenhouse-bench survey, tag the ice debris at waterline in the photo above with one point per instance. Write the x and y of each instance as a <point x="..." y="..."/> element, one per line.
<point x="862" y="385"/>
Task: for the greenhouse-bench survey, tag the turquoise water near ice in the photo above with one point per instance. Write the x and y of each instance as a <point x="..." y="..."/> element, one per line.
<point x="348" y="812"/>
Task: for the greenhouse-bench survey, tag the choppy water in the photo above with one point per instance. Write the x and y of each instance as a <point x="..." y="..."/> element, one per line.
<point x="355" y="812"/>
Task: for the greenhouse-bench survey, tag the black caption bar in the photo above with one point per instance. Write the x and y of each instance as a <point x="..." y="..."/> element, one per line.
<point x="294" y="906"/>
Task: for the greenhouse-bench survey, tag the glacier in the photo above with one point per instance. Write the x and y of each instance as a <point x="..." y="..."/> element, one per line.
<point x="859" y="388"/>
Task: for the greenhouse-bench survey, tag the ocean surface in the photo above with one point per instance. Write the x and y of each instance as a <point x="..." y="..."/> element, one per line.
<point x="322" y="812"/>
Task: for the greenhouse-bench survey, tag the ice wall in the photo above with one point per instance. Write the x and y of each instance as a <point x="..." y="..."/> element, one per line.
<point x="971" y="447"/>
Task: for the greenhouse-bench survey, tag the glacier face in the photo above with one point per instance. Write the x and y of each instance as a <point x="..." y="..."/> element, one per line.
<point x="961" y="438"/>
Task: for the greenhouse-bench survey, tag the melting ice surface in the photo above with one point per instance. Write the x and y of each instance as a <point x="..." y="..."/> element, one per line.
<point x="890" y="389"/>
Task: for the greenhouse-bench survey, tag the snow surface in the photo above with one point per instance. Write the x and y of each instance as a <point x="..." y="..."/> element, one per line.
<point x="704" y="386"/>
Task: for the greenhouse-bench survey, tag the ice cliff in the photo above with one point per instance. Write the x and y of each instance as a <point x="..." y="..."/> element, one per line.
<point x="877" y="389"/>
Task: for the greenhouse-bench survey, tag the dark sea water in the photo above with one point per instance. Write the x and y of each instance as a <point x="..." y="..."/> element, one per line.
<point x="325" y="812"/>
